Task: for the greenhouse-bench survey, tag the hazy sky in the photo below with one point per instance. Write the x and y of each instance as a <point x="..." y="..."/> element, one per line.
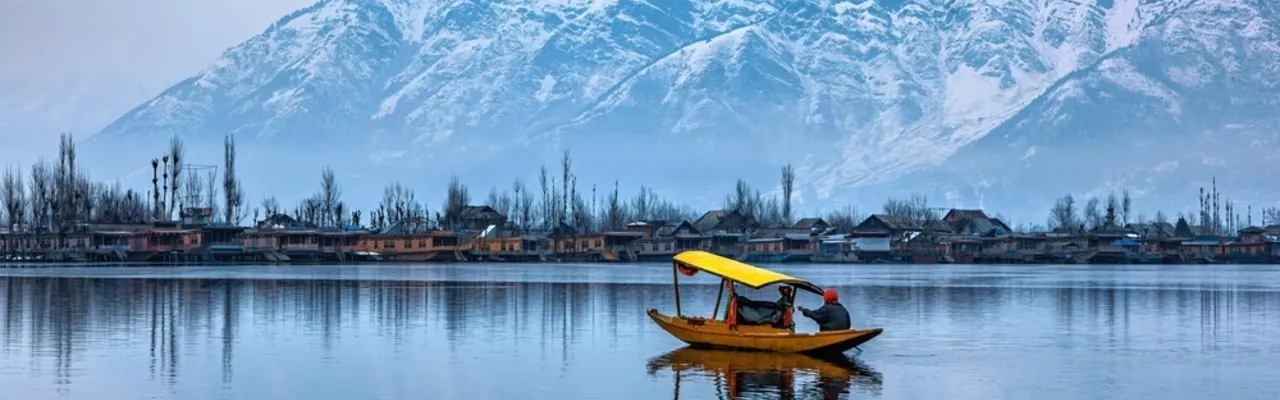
<point x="76" y="65"/>
<point x="149" y="40"/>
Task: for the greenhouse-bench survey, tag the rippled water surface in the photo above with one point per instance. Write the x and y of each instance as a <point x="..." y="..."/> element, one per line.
<point x="524" y="331"/>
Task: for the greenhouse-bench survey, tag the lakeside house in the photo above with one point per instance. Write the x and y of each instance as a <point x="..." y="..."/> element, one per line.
<point x="482" y="233"/>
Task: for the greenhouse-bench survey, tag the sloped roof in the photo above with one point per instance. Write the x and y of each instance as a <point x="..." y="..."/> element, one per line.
<point x="959" y="213"/>
<point x="906" y="223"/>
<point x="809" y="223"/>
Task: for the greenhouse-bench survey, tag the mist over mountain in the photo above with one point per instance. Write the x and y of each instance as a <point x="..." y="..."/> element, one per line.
<point x="998" y="104"/>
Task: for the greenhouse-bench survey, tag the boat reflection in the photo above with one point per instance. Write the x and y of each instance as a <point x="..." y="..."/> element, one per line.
<point x="761" y="375"/>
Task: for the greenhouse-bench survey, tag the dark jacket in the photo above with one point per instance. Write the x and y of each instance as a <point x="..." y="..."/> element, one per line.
<point x="830" y="317"/>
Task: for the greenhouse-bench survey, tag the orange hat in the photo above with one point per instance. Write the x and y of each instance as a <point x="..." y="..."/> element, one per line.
<point x="829" y="296"/>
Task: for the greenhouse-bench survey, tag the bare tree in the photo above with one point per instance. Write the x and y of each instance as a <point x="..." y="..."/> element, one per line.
<point x="211" y="196"/>
<point x="193" y="194"/>
<point x="270" y="206"/>
<point x="580" y="217"/>
<point x="456" y="200"/>
<point x="844" y="219"/>
<point x="741" y="200"/>
<point x="1063" y="214"/>
<point x="770" y="213"/>
<point x="1126" y="206"/>
<point x="176" y="156"/>
<point x="1092" y="215"/>
<point x="330" y="195"/>
<point x="41" y="185"/>
<point x="563" y="210"/>
<point x="1270" y="216"/>
<point x="915" y="207"/>
<point x="12" y="194"/>
<point x="398" y="203"/>
<point x="545" y="205"/>
<point x="233" y="191"/>
<point x="788" y="183"/>
<point x="1161" y="217"/>
<point x="339" y="215"/>
<point x="524" y="204"/>
<point x="614" y="215"/>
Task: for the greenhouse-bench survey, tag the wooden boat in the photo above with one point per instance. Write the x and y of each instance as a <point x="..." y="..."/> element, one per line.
<point x="727" y="333"/>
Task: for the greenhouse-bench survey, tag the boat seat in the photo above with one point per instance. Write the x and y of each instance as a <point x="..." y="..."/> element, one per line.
<point x="754" y="312"/>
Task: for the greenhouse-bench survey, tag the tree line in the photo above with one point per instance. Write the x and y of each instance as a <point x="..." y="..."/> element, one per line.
<point x="1214" y="216"/>
<point x="58" y="197"/>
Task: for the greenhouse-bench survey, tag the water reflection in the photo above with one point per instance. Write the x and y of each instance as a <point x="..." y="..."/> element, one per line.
<point x="759" y="375"/>
<point x="387" y="332"/>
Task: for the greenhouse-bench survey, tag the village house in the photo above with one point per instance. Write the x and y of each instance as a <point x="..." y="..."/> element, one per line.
<point x="1250" y="247"/>
<point x="725" y="221"/>
<point x="667" y="239"/>
<point x="412" y="239"/>
<point x="899" y="229"/>
<point x="497" y="247"/>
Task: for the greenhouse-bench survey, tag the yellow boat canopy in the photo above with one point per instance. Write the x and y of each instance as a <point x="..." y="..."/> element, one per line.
<point x="739" y="272"/>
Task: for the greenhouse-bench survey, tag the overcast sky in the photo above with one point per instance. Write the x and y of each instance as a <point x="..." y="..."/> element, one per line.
<point x="151" y="40"/>
<point x="76" y="65"/>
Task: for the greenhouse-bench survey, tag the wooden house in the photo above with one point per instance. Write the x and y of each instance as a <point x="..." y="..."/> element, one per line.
<point x="298" y="243"/>
<point x="649" y="229"/>
<point x="340" y="245"/>
<point x="412" y="239"/>
<point x="686" y="236"/>
<point x="1250" y="247"/>
<point x="221" y="242"/>
<point x="974" y="222"/>
<point x="1203" y="249"/>
<point x="509" y="248"/>
<point x="655" y="248"/>
<point x="763" y="250"/>
<point x="167" y="241"/>
<point x="725" y="221"/>
<point x="621" y="246"/>
<point x="900" y="229"/>
<point x="567" y="244"/>
<point x="279" y="237"/>
<point x="835" y="249"/>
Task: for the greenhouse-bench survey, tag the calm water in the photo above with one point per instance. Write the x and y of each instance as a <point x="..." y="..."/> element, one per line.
<point x="515" y="331"/>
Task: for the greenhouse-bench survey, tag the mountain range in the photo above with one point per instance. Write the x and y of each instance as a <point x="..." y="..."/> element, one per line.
<point x="999" y="104"/>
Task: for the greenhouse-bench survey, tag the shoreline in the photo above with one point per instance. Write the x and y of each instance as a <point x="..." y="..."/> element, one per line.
<point x="259" y="263"/>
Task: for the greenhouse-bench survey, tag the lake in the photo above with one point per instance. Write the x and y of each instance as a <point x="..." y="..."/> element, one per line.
<point x="535" y="331"/>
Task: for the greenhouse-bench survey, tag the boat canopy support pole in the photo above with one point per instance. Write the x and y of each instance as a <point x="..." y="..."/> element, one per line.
<point x="675" y="284"/>
<point x="719" y="296"/>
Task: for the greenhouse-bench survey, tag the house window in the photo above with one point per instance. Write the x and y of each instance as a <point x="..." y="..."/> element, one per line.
<point x="422" y="243"/>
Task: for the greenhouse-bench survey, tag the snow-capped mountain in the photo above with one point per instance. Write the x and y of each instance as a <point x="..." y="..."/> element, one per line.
<point x="870" y="93"/>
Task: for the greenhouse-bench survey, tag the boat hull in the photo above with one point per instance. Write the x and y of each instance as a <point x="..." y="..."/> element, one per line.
<point x="715" y="334"/>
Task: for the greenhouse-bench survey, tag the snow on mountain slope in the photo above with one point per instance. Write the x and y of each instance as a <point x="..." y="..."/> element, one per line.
<point x="1192" y="101"/>
<point x="857" y="92"/>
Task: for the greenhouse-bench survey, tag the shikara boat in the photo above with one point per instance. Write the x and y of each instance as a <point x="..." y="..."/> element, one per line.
<point x="732" y="333"/>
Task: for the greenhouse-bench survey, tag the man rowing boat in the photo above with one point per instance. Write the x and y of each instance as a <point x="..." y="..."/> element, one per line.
<point x="832" y="316"/>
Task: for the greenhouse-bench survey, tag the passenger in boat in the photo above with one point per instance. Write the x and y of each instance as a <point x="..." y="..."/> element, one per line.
<point x="831" y="316"/>
<point x="784" y="302"/>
